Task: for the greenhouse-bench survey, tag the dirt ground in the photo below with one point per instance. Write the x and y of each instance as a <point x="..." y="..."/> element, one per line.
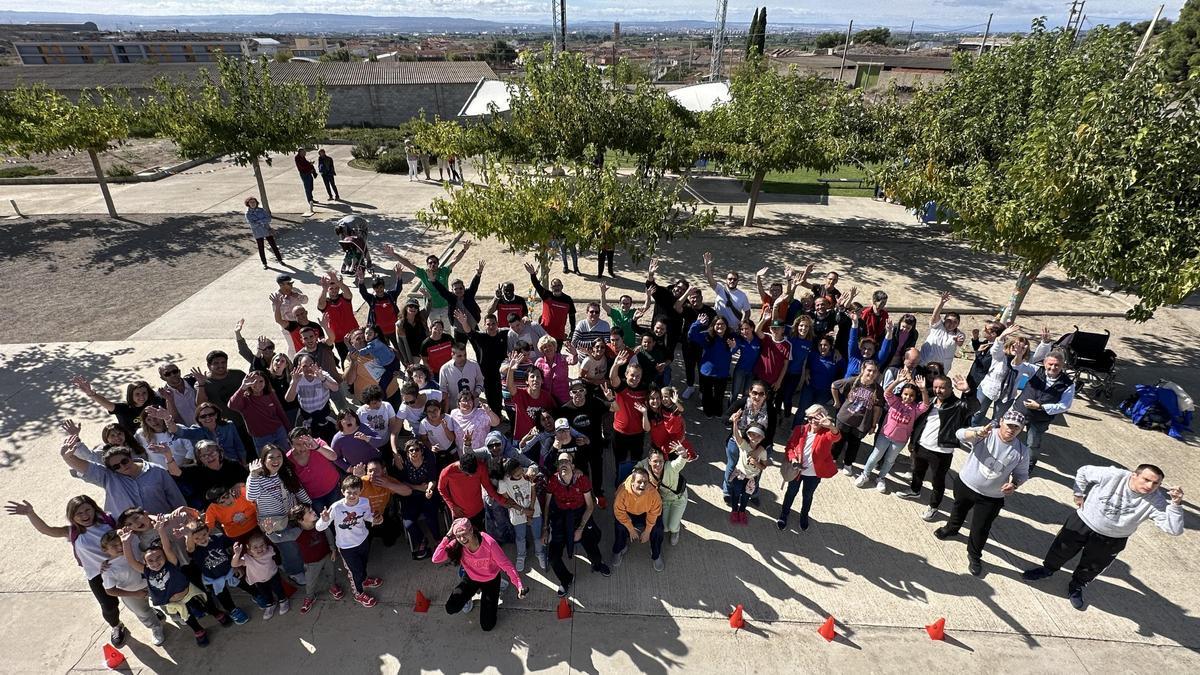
<point x="138" y="154"/>
<point x="92" y="278"/>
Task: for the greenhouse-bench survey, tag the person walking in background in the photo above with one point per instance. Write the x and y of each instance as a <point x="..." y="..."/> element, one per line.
<point x="414" y="161"/>
<point x="1112" y="503"/>
<point x="260" y="228"/>
<point x="325" y="168"/>
<point x="307" y="173"/>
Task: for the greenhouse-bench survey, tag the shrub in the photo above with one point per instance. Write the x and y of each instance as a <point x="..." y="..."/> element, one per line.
<point x="25" y="170"/>
<point x="119" y="171"/>
<point x="367" y="149"/>
<point x="391" y="162"/>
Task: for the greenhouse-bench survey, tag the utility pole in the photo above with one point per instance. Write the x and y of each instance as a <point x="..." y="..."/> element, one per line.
<point x="908" y="42"/>
<point x="1145" y="39"/>
<point x="718" y="43"/>
<point x="1075" y="16"/>
<point x="558" y="12"/>
<point x="986" y="32"/>
<point x="845" y="48"/>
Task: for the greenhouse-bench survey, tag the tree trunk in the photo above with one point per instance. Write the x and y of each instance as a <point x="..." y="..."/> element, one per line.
<point x="262" y="187"/>
<point x="544" y="258"/>
<point x="112" y="209"/>
<point x="755" y="187"/>
<point x="1029" y="274"/>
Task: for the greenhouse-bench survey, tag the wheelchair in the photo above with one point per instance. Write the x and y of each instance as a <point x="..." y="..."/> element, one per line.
<point x="1090" y="363"/>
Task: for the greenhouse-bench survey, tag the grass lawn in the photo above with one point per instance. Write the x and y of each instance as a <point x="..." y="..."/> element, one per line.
<point x="804" y="182"/>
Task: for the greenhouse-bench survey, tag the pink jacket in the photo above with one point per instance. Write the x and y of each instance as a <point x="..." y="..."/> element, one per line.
<point x="484" y="563"/>
<point x="900" y="417"/>
<point x="557" y="381"/>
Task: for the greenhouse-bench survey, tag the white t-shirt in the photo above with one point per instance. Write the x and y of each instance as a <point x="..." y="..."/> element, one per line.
<point x="442" y="435"/>
<point x="413" y="413"/>
<point x="181" y="448"/>
<point x="940" y="346"/>
<point x="87" y="549"/>
<point x="349" y="523"/>
<point x="807" y="468"/>
<point x="377" y="420"/>
<point x="929" y="435"/>
<point x="121" y="576"/>
<point x="521" y="493"/>
<point x="731" y="303"/>
<point x="478" y="423"/>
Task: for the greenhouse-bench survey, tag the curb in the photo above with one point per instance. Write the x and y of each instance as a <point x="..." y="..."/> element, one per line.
<point x="84" y="180"/>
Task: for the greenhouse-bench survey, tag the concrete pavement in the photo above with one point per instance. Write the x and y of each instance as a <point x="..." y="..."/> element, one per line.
<point x="868" y="560"/>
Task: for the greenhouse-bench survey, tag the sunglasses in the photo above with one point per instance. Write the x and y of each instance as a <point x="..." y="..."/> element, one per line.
<point x="171" y="372"/>
<point x="206" y="416"/>
<point x="121" y="464"/>
<point x="758" y="393"/>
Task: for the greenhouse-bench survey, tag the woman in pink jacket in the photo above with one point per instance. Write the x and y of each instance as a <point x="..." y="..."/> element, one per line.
<point x="809" y="459"/>
<point x="483" y="560"/>
<point x="554" y="366"/>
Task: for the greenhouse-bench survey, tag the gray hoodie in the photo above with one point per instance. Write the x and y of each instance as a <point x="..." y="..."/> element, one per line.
<point x="1110" y="508"/>
<point x="992" y="463"/>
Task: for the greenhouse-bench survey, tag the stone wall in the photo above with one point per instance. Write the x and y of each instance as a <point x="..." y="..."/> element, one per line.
<point x="390" y="105"/>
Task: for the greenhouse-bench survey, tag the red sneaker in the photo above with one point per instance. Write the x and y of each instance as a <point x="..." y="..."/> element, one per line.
<point x="336" y="591"/>
<point x="733" y="518"/>
<point x="365" y="600"/>
<point x="372" y="582"/>
<point x="308" y="603"/>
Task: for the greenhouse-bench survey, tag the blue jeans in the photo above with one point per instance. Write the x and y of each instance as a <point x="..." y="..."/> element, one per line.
<point x="809" y="485"/>
<point x="535" y="529"/>
<point x="981" y="417"/>
<point x="1035" y="432"/>
<point x="741" y="383"/>
<point x="307" y="179"/>
<point x="621" y="535"/>
<point x="737" y="493"/>
<point x="731" y="457"/>
<point x="563" y="249"/>
<point x="884" y="455"/>
<point x="279" y="437"/>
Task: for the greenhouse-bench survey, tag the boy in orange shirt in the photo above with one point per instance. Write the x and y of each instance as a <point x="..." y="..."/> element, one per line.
<point x="378" y="488"/>
<point x="236" y="515"/>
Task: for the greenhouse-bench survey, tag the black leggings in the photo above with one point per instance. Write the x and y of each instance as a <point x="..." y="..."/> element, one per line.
<point x="262" y="255"/>
<point x="712" y="395"/>
<point x="628" y="446"/>
<point x="110" y="607"/>
<point x="466" y="588"/>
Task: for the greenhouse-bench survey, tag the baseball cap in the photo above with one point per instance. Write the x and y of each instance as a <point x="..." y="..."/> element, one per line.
<point x="561" y="424"/>
<point x="757" y="430"/>
<point x="778" y="324"/>
<point x="283" y="279"/>
<point x="578" y="384"/>
<point x="1014" y="418"/>
<point x="565" y="457"/>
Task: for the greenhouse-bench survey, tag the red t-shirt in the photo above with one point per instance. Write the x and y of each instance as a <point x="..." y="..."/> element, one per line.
<point x="314" y="547"/>
<point x="554" y="317"/>
<point x="567" y="497"/>
<point x="341" y="317"/>
<point x="462" y="490"/>
<point x="874" y="325"/>
<point x="627" y="420"/>
<point x="438" y="353"/>
<point x="528" y="409"/>
<point x="384" y="313"/>
<point x="503" y="309"/>
<point x="666" y="430"/>
<point x="772" y="359"/>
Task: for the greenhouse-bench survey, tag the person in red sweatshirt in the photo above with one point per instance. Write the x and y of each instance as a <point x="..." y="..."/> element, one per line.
<point x="256" y="401"/>
<point x="459" y="485"/>
<point x="558" y="309"/>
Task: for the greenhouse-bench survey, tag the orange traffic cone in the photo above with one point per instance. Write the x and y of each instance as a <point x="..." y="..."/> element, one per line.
<point x="113" y="658"/>
<point x="422" y="603"/>
<point x="564" y="609"/>
<point x="937" y="629"/>
<point x="827" y="630"/>
<point x="736" y="620"/>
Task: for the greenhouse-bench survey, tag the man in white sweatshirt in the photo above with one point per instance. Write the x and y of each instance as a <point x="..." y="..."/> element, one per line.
<point x="1112" y="504"/>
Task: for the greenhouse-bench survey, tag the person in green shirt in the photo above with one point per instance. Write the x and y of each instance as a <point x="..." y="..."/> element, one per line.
<point x="433" y="271"/>
<point x="622" y="316"/>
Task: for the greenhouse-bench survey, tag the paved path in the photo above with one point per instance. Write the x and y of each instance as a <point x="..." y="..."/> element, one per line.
<point x="868" y="559"/>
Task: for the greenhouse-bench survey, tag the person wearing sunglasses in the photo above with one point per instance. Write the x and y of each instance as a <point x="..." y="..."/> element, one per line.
<point x="126" y="481"/>
<point x="178" y="392"/>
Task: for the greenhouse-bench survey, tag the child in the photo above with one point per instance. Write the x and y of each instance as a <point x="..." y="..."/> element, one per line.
<point x="257" y="555"/>
<point x="752" y="460"/>
<point x="121" y="581"/>
<point x="168" y="587"/>
<point x="903" y="411"/>
<point x="146" y="528"/>
<point x="318" y="558"/>
<point x="351" y="513"/>
<point x="517" y="485"/>
<point x="229" y="508"/>
<point x="377" y="489"/>
<point x="212" y="553"/>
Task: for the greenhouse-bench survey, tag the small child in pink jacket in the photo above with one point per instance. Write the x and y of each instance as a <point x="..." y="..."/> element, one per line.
<point x="903" y="411"/>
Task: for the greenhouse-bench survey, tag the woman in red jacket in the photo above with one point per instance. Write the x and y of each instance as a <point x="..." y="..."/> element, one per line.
<point x="809" y="459"/>
<point x="262" y="410"/>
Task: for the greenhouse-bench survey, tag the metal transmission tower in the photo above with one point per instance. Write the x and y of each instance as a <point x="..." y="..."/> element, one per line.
<point x="558" y="8"/>
<point x="718" y="43"/>
<point x="1075" y="17"/>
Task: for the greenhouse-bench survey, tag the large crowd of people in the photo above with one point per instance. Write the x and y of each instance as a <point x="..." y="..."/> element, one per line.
<point x="459" y="424"/>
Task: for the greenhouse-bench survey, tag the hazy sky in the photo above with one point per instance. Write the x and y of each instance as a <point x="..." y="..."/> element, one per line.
<point x="896" y="13"/>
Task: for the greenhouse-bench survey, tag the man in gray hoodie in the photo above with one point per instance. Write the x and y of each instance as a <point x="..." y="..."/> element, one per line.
<point x="1112" y="503"/>
<point x="997" y="465"/>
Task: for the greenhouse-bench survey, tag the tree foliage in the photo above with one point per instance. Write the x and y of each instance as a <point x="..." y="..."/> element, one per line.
<point x="39" y="120"/>
<point x="341" y="55"/>
<point x="1047" y="151"/>
<point x="873" y="36"/>
<point x="239" y="111"/>
<point x="827" y="40"/>
<point x="780" y="122"/>
<point x="1181" y="46"/>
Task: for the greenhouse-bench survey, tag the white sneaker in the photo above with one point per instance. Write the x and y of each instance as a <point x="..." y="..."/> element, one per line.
<point x="268" y="612"/>
<point x="862" y="481"/>
<point x="284" y="606"/>
<point x="929" y="515"/>
<point x="881" y="486"/>
<point x="520" y="563"/>
<point x="848" y="470"/>
<point x="156" y="635"/>
<point x="687" y="393"/>
<point x="468" y="607"/>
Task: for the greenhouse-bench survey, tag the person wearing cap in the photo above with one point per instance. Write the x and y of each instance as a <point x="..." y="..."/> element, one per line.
<point x="260" y="228"/>
<point x="774" y="355"/>
<point x="1111" y="503"/>
<point x="482" y="560"/>
<point x="638" y="511"/>
<point x="547" y="448"/>
<point x="288" y="300"/>
<point x="497" y="449"/>
<point x="585" y="412"/>
<point x="997" y="465"/>
<point x="568" y="504"/>
<point x="752" y="459"/>
<point x="507" y="302"/>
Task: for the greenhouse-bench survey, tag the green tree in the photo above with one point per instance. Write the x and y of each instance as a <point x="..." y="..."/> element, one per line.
<point x="500" y="53"/>
<point x="779" y="122"/>
<point x="827" y="40"/>
<point x="39" y="120"/>
<point x="1046" y="151"/>
<point x="873" y="36"/>
<point x="283" y="56"/>
<point x="1181" y="46"/>
<point x="623" y="72"/>
<point x="341" y="55"/>
<point x="760" y="37"/>
<point x="752" y="34"/>
<point x="239" y="111"/>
